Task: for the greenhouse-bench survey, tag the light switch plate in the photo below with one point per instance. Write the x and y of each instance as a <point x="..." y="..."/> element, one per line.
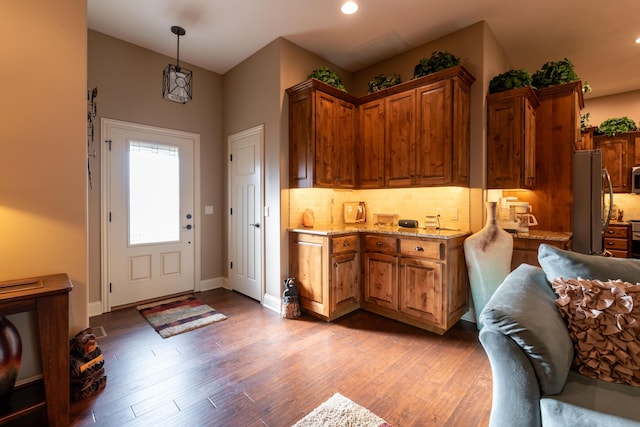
<point x="208" y="210"/>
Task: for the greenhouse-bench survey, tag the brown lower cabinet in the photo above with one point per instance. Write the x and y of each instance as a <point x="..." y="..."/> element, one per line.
<point x="617" y="240"/>
<point x="525" y="247"/>
<point x="420" y="281"/>
<point x="327" y="270"/>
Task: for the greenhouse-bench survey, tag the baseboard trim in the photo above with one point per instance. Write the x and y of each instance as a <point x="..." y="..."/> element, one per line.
<point x="271" y="302"/>
<point x="95" y="308"/>
<point x="210" y="284"/>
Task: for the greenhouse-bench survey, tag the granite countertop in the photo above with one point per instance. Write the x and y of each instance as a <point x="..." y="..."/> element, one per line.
<point x="561" y="236"/>
<point x="329" y="230"/>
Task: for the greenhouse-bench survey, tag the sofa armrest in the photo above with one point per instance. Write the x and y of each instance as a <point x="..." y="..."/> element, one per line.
<point x="523" y="308"/>
<point x="516" y="393"/>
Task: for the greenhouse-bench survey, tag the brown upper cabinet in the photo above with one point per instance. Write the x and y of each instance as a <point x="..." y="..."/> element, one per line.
<point x="370" y="144"/>
<point x="412" y="134"/>
<point x="511" y="139"/>
<point x="322" y="126"/>
<point x="620" y="153"/>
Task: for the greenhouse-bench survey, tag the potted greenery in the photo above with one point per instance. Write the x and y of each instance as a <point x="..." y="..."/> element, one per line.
<point x="324" y="74"/>
<point x="617" y="125"/>
<point x="382" y="81"/>
<point x="436" y="62"/>
<point x="511" y="79"/>
<point x="554" y="73"/>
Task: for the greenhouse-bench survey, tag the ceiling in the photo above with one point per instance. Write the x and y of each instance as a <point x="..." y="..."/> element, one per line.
<point x="597" y="36"/>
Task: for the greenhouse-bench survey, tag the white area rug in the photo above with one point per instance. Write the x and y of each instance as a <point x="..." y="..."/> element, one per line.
<point x="339" y="411"/>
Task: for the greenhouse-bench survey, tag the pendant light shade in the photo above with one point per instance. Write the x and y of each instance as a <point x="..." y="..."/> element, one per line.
<point x="177" y="81"/>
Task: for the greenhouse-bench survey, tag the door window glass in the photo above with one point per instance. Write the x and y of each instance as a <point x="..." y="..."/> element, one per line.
<point x="154" y="193"/>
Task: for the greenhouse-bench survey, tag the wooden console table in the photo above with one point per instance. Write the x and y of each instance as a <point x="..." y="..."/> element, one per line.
<point x="48" y="296"/>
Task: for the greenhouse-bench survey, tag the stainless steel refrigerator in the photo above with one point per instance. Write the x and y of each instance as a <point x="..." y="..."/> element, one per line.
<point x="592" y="201"/>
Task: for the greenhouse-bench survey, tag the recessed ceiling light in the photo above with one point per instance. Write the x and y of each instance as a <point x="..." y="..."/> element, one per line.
<point x="349" y="7"/>
<point x="638" y="40"/>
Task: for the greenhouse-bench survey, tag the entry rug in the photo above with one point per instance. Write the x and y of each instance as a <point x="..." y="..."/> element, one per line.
<point x="177" y="315"/>
<point x="339" y="411"/>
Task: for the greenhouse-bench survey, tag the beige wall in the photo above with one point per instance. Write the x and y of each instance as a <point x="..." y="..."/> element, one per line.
<point x="613" y="106"/>
<point x="43" y="178"/>
<point x="482" y="55"/>
<point x="129" y="82"/>
<point x="255" y="94"/>
<point x="252" y="98"/>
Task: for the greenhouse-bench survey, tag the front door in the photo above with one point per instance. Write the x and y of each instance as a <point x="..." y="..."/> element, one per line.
<point x="245" y="201"/>
<point x="150" y="216"/>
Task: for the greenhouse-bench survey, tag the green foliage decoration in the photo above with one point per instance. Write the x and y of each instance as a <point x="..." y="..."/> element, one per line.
<point x="383" y="81"/>
<point x="617" y="125"/>
<point x="554" y="73"/>
<point x="324" y="74"/>
<point x="436" y="62"/>
<point x="511" y="79"/>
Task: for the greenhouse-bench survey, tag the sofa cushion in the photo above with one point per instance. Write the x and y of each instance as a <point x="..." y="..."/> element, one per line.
<point x="523" y="308"/>
<point x="557" y="262"/>
<point x="588" y="402"/>
<point x="604" y="324"/>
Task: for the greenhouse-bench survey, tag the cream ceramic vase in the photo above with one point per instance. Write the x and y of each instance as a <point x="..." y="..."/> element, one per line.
<point x="488" y="256"/>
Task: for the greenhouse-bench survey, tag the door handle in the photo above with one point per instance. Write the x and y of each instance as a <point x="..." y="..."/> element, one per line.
<point x="188" y="227"/>
<point x="256" y="225"/>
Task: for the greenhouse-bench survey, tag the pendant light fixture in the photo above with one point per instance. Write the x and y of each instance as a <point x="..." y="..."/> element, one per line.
<point x="177" y="81"/>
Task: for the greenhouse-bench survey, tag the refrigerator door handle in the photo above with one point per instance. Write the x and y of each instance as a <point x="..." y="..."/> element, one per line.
<point x="607" y="179"/>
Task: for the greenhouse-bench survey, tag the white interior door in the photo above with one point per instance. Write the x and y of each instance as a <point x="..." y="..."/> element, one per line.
<point x="150" y="212"/>
<point x="245" y="216"/>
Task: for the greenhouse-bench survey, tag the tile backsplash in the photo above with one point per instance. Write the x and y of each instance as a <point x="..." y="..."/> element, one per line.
<point x="630" y="205"/>
<point x="452" y="203"/>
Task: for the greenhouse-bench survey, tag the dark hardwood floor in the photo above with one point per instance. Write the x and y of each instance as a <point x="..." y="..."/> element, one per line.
<point x="258" y="369"/>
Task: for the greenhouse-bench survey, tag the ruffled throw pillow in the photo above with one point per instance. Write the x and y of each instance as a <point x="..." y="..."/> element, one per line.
<point x="604" y="324"/>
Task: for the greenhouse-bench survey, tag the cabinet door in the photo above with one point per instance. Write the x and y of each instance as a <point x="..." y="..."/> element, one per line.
<point x="381" y="280"/>
<point x="326" y="144"/>
<point x="301" y="151"/>
<point x="400" y="157"/>
<point x="434" y="134"/>
<point x="370" y="152"/>
<point x="511" y="133"/>
<point x="615" y="159"/>
<point x="345" y="289"/>
<point x="529" y="167"/>
<point x="308" y="257"/>
<point x="421" y="288"/>
<point x="344" y="146"/>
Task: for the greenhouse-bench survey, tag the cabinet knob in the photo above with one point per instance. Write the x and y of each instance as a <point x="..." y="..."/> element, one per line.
<point x="345" y="244"/>
<point x="419" y="249"/>
<point x="379" y="244"/>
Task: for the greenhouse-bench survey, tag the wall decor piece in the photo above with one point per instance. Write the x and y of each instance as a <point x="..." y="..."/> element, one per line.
<point x="92" y="111"/>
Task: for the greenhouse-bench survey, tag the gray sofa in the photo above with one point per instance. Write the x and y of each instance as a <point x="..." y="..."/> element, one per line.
<point x="531" y="352"/>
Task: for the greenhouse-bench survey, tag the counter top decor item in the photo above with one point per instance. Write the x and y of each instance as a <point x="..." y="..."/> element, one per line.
<point x="488" y="256"/>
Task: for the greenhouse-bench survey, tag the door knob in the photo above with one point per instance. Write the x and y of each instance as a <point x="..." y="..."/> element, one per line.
<point x="188" y="226"/>
<point x="256" y="225"/>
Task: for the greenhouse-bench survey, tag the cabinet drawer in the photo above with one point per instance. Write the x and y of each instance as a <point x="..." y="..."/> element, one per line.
<point x="422" y="248"/>
<point x="619" y="254"/>
<point x="620" y="244"/>
<point x="375" y="243"/>
<point x="619" y="232"/>
<point x="344" y="243"/>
